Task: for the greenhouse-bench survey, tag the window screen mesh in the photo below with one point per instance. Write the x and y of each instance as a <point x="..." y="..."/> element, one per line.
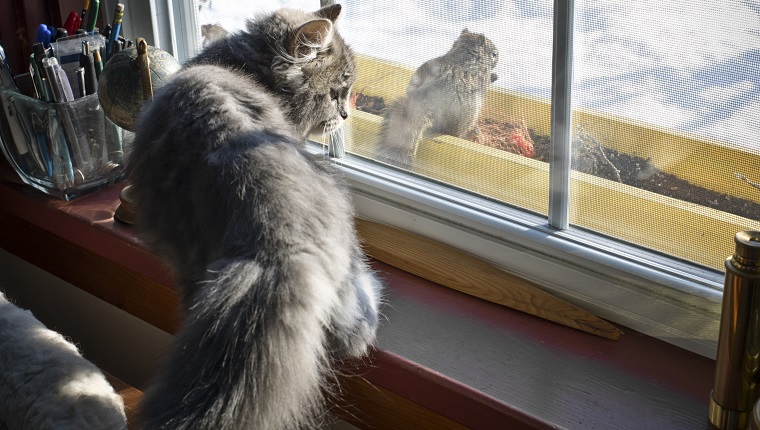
<point x="497" y="154"/>
<point x="666" y="97"/>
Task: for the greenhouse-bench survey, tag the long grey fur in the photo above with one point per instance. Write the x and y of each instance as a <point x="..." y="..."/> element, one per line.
<point x="258" y="232"/>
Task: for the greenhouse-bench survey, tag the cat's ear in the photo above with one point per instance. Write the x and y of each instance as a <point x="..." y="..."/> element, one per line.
<point x="310" y="37"/>
<point x="331" y="12"/>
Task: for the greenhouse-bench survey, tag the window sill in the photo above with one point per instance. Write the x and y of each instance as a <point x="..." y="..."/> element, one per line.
<point x="444" y="359"/>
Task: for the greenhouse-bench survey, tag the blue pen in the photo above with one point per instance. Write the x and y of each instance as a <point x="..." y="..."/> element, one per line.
<point x="43" y="35"/>
<point x="115" y="28"/>
<point x="40" y="126"/>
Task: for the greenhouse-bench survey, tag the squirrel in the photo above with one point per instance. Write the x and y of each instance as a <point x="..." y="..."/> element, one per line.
<point x="444" y="96"/>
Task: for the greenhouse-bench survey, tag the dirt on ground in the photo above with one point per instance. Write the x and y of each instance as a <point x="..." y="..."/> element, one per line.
<point x="592" y="157"/>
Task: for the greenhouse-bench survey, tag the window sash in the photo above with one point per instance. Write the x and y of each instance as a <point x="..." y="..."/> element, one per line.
<point x="651" y="293"/>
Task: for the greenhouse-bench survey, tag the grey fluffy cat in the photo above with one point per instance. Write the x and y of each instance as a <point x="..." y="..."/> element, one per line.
<point x="258" y="232"/>
<point x="444" y="96"/>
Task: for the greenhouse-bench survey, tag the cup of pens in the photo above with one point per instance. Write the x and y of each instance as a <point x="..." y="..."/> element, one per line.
<point x="60" y="142"/>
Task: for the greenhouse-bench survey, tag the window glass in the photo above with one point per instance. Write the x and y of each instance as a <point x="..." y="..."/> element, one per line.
<point x="665" y="150"/>
<point x="664" y="96"/>
<point x="453" y="91"/>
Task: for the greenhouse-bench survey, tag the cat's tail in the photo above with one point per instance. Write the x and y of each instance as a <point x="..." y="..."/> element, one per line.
<point x="254" y="349"/>
<point x="405" y="122"/>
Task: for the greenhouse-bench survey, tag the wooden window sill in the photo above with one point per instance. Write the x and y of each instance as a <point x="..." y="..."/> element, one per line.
<point x="443" y="360"/>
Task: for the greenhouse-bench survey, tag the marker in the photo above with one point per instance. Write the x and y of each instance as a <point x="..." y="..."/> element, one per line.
<point x="92" y="17"/>
<point x="106" y="32"/>
<point x="87" y="61"/>
<point x="115" y="28"/>
<point x="43" y="35"/>
<point x="73" y="22"/>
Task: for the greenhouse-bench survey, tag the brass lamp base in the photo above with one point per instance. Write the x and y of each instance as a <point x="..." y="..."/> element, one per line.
<point x="126" y="210"/>
<point x="727" y="419"/>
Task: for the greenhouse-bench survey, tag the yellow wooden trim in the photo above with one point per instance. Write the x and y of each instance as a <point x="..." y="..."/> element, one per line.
<point x="675" y="227"/>
<point x="707" y="163"/>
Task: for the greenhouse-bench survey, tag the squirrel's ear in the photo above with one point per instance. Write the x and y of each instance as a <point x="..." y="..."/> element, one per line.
<point x="465" y="31"/>
<point x="310" y="37"/>
<point x="331" y="12"/>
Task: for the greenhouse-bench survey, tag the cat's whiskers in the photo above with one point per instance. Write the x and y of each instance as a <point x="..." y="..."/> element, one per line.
<point x="325" y="140"/>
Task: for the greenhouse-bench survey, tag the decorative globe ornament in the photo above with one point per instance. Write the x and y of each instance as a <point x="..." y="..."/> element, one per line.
<point x="127" y="80"/>
<point x="122" y="86"/>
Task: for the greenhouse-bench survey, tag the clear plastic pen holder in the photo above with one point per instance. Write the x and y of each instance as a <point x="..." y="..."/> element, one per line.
<point x="63" y="149"/>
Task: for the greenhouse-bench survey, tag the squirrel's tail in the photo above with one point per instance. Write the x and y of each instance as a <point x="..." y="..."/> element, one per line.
<point x="253" y="351"/>
<point x="404" y="124"/>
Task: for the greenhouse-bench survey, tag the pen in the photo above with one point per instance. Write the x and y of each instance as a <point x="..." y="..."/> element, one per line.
<point x="87" y="61"/>
<point x="71" y="142"/>
<point x="83" y="23"/>
<point x="52" y="79"/>
<point x="68" y="94"/>
<point x="58" y="80"/>
<point x="92" y="17"/>
<point x="8" y="85"/>
<point x="80" y="81"/>
<point x="115" y="28"/>
<point x="35" y="65"/>
<point x="39" y="123"/>
<point x="63" y="170"/>
<point x="6" y="76"/>
<point x="116" y="48"/>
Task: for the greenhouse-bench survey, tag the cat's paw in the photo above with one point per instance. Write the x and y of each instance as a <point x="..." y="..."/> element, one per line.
<point x="353" y="338"/>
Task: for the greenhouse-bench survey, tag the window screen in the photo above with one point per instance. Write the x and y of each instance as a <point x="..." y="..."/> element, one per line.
<point x="456" y="92"/>
<point x="664" y="97"/>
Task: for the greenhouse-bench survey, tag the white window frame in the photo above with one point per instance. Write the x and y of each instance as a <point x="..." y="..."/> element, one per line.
<point x="652" y="293"/>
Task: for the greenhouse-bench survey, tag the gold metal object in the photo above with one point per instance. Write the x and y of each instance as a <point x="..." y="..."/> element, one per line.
<point x="738" y="358"/>
<point x="143" y="62"/>
<point x="125" y="212"/>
